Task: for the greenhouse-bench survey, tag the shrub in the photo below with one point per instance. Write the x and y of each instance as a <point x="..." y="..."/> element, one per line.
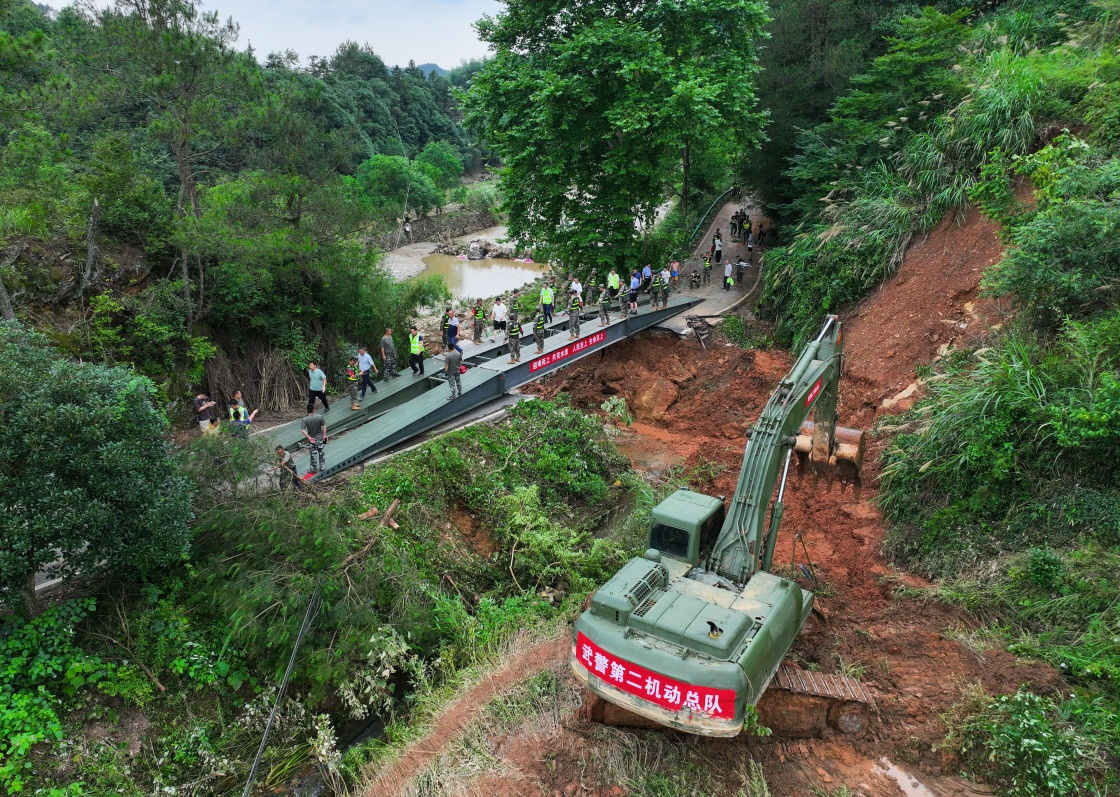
<point x="86" y="482"/>
<point x="1019" y="743"/>
<point x="39" y="663"/>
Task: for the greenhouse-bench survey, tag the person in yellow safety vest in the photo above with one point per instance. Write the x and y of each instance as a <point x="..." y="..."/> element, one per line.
<point x="353" y="379"/>
<point x="548" y="298"/>
<point x="479" y="321"/>
<point x="604" y="307"/>
<point x="445" y="328"/>
<point x="655" y="290"/>
<point x="707" y="268"/>
<point x="613" y="284"/>
<point x="538" y="330"/>
<point x="415" y="352"/>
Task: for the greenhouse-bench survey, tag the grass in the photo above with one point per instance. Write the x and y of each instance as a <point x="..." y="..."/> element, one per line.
<point x="754" y="780"/>
<point x="431" y="697"/>
<point x="850" y="668"/>
<point x="534" y="707"/>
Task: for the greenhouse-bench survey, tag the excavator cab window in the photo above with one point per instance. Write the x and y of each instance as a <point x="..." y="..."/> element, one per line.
<point x="669" y="540"/>
<point x="709" y="532"/>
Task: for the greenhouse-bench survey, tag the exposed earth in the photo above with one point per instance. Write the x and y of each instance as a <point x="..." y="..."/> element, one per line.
<point x="915" y="654"/>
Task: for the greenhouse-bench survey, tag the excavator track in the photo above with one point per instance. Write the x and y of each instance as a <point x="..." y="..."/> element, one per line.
<point x="801" y="703"/>
<point x="798" y="704"/>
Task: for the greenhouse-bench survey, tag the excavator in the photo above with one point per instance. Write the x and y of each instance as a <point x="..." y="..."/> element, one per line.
<point x="691" y="635"/>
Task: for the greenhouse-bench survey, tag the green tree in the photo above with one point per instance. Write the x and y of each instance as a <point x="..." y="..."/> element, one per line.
<point x="180" y="61"/>
<point x="593" y="110"/>
<point x="441" y="162"/>
<point x="394" y="187"/>
<point x="814" y="49"/>
<point x="85" y="477"/>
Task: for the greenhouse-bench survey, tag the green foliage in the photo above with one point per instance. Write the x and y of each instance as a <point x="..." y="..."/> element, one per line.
<point x="148" y="330"/>
<point x="907" y="142"/>
<point x="441" y="163"/>
<point x="988" y="444"/>
<point x="86" y="479"/>
<point x="815" y="47"/>
<point x="1065" y="259"/>
<point x="993" y="192"/>
<point x="615" y="408"/>
<point x="395" y="187"/>
<point x="593" y="112"/>
<point x="745" y="333"/>
<point x="540" y="481"/>
<point x="39" y="663"/>
<point x="134" y="203"/>
<point x="226" y="185"/>
<point x="1019" y="743"/>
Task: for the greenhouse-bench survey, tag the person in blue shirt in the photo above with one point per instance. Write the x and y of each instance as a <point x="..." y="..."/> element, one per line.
<point x="635" y="285"/>
<point x="317" y="387"/>
<point x="647" y="277"/>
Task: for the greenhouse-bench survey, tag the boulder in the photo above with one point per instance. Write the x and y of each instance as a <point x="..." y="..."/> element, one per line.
<point x="675" y="370"/>
<point x="654" y="397"/>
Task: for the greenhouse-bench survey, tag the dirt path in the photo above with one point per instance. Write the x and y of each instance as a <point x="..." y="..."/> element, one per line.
<point x="395" y="779"/>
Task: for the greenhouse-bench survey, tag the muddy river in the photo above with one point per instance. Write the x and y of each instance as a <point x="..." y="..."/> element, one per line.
<point x="469" y="279"/>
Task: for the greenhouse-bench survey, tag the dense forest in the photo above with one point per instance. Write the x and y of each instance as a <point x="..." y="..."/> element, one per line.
<point x="164" y="195"/>
<point x="169" y="202"/>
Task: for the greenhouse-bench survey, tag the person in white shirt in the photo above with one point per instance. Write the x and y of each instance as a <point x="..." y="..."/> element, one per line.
<point x="577" y="287"/>
<point x="499" y="312"/>
<point x="366" y="366"/>
<point x="453" y="332"/>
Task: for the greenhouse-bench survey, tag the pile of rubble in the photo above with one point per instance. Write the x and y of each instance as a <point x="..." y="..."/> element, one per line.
<point x="480" y="249"/>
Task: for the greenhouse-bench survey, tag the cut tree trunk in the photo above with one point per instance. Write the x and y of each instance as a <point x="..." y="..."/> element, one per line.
<point x="92" y="252"/>
<point x="6" y="310"/>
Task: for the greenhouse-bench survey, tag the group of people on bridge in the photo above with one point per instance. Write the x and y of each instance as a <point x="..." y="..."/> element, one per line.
<point x="505" y="326"/>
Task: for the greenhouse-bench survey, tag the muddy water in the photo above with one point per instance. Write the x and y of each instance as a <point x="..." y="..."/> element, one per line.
<point x="470" y="279"/>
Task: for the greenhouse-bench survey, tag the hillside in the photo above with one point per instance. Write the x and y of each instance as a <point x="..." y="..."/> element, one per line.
<point x="181" y="613"/>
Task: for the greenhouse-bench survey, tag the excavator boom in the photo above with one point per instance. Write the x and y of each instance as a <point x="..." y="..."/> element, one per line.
<point x="691" y="634"/>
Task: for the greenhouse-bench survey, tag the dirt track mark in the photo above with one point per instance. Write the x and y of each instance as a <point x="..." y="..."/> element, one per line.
<point x="396" y="777"/>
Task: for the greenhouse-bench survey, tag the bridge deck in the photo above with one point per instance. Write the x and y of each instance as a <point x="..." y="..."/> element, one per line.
<point x="407" y="406"/>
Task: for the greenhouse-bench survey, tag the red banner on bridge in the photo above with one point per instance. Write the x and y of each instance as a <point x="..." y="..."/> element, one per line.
<point x="567" y="351"/>
<point x="652" y="686"/>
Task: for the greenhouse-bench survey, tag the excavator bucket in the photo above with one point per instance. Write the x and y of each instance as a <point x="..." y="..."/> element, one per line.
<point x="840" y="458"/>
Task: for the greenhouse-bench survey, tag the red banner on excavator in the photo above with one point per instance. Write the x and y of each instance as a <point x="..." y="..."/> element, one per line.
<point x="654" y="687"/>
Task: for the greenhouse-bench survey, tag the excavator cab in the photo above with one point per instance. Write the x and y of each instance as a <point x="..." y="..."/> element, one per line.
<point x="685" y="526"/>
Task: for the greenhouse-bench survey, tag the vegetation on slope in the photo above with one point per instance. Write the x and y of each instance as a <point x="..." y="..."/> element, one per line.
<point x="188" y="663"/>
<point x="1001" y="480"/>
<point x="908" y="140"/>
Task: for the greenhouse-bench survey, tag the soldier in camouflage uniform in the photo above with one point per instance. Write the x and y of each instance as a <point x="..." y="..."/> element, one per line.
<point x="514" y="338"/>
<point x="538" y="330"/>
<point x="655" y="290"/>
<point x="708" y="268"/>
<point x="604" y="307"/>
<point x="574" y="305"/>
<point x="353" y="379"/>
